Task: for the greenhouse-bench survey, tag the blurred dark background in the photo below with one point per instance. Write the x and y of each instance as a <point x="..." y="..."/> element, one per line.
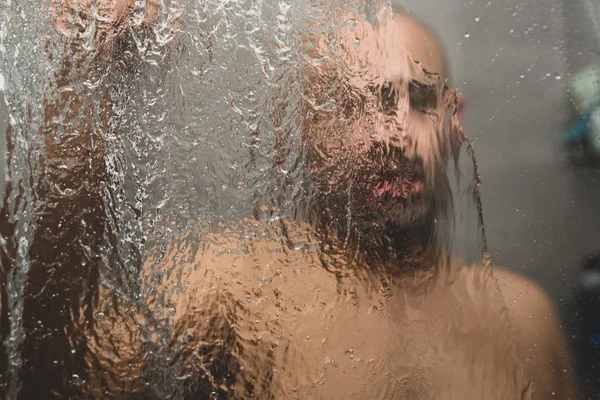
<point x="514" y="61"/>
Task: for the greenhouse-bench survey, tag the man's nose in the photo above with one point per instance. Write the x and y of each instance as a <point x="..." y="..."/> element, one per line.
<point x="386" y="136"/>
<point x="380" y="149"/>
<point x="388" y="97"/>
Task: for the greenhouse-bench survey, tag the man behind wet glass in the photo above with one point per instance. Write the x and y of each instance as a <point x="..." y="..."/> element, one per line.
<point x="362" y="303"/>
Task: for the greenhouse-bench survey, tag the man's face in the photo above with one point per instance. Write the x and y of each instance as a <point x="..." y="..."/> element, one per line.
<point x="375" y="138"/>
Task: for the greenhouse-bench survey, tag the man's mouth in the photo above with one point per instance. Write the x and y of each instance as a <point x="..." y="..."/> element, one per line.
<point x="396" y="180"/>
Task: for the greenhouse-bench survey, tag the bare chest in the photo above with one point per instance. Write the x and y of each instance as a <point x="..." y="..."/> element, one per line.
<point x="274" y="327"/>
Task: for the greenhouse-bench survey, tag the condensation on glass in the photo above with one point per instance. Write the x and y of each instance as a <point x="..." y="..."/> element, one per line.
<point x="234" y="199"/>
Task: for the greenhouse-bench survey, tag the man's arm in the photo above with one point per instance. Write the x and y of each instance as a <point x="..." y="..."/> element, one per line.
<point x="111" y="15"/>
<point x="70" y="195"/>
<point x="541" y="345"/>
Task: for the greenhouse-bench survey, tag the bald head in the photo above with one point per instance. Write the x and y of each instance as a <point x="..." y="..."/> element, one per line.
<point x="376" y="104"/>
<point x="422" y="43"/>
<point x="390" y="47"/>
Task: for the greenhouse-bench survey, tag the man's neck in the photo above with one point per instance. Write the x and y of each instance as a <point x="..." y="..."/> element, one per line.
<point x="390" y="249"/>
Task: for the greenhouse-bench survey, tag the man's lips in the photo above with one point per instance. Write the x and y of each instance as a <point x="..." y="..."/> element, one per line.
<point x="397" y="183"/>
<point x="388" y="172"/>
<point x="396" y="179"/>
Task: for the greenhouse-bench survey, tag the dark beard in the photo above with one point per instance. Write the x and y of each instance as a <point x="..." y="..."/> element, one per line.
<point x="374" y="232"/>
<point x="396" y="228"/>
<point x="369" y="192"/>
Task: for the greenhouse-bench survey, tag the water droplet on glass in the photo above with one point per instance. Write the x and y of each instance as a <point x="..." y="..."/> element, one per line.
<point x="265" y="281"/>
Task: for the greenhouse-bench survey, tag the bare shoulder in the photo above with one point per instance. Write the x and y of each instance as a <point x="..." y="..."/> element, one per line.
<point x="540" y="339"/>
<point x="529" y="305"/>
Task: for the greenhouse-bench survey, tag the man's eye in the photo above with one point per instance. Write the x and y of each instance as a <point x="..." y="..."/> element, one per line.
<point x="422" y="97"/>
<point x="389" y="97"/>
